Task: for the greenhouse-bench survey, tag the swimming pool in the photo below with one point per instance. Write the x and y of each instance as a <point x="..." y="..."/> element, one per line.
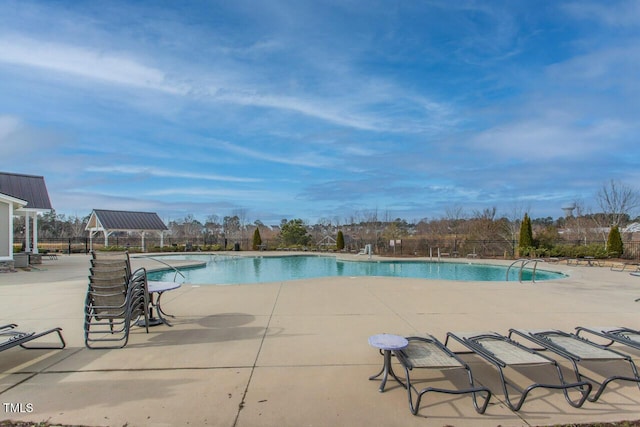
<point x="227" y="270"/>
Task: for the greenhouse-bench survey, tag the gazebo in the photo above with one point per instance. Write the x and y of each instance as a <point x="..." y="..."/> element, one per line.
<point x="21" y="195"/>
<point x="327" y="242"/>
<point x="109" y="221"/>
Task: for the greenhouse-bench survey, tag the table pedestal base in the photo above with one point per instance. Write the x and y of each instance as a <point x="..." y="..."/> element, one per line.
<point x="158" y="288"/>
<point x="386" y="343"/>
<point x="385" y="371"/>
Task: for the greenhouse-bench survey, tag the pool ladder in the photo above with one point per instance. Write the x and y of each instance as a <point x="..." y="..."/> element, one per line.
<point x="523" y="262"/>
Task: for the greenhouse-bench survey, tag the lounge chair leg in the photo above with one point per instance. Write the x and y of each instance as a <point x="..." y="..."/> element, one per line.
<point x="18" y="338"/>
<point x="474" y="391"/>
<point x="483" y="345"/>
<point x="62" y="345"/>
<point x="582" y="351"/>
<point x="414" y="357"/>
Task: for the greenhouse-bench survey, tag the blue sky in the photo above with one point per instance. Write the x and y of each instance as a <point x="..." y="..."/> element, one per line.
<point x="320" y="109"/>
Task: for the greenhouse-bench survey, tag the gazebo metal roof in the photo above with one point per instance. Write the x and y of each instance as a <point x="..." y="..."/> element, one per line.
<point x="125" y="221"/>
<point x="30" y="188"/>
<point x="108" y="222"/>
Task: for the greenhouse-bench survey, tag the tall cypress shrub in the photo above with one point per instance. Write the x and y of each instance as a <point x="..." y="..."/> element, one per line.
<point x="257" y="240"/>
<point x="340" y="241"/>
<point x="526" y="234"/>
<point x="614" y="241"/>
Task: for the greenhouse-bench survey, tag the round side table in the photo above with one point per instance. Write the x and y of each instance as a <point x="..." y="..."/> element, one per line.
<point x="159" y="288"/>
<point x="387" y="343"/>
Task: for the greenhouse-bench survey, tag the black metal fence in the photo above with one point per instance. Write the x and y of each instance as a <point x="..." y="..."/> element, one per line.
<point x="132" y="243"/>
<point x="413" y="246"/>
<point x="58" y="245"/>
<point x="507" y="249"/>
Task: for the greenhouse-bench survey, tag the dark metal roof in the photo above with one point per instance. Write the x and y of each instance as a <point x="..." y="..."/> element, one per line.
<point x="30" y="188"/>
<point x="124" y="220"/>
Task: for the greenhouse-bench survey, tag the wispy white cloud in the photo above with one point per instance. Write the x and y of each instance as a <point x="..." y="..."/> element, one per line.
<point x="625" y="13"/>
<point x="299" y="105"/>
<point x="167" y="207"/>
<point x="415" y="105"/>
<point x="538" y="140"/>
<point x="356" y="107"/>
<point x="124" y="69"/>
<point x="108" y="67"/>
<point x="8" y="125"/>
<point x="267" y="195"/>
<point x="24" y="144"/>
<point x="165" y="173"/>
<point x="607" y="67"/>
<point x="311" y="159"/>
<point x="361" y="150"/>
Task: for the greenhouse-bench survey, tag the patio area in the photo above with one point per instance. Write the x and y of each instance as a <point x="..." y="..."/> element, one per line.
<point x="294" y="353"/>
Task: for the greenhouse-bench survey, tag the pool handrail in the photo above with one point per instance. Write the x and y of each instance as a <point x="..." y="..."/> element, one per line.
<point x="524" y="262"/>
<point x="168" y="265"/>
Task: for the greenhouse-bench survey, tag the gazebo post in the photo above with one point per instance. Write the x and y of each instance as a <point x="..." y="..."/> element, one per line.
<point x="35" y="233"/>
<point x="27" y="233"/>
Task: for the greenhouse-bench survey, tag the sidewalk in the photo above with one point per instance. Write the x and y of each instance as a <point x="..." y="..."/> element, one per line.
<point x="293" y="353"/>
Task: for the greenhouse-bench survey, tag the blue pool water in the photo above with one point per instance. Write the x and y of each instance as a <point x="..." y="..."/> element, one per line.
<point x="225" y="270"/>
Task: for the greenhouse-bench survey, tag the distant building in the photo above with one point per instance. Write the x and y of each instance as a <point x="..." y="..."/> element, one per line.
<point x="634" y="227"/>
<point x="632" y="231"/>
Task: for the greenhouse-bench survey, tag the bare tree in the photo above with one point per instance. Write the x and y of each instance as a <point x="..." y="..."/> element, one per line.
<point x="616" y="201"/>
<point x="231" y="227"/>
<point x="511" y="226"/>
<point x="483" y="227"/>
<point x="455" y="215"/>
<point x="394" y="230"/>
<point x="241" y="214"/>
<point x="213" y="219"/>
<point x="213" y="227"/>
<point x="77" y="225"/>
<point x="372" y="227"/>
<point x="187" y="228"/>
<point x="192" y="227"/>
<point x="575" y="227"/>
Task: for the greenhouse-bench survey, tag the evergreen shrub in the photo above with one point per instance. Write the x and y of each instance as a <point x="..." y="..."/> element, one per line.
<point x="340" y="241"/>
<point x="614" y="242"/>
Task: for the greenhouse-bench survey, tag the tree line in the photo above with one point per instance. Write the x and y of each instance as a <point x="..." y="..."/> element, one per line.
<point x="457" y="231"/>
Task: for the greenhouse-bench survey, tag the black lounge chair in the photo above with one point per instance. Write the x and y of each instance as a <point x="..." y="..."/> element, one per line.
<point x="429" y="353"/>
<point x="10" y="337"/>
<point x="502" y="352"/>
<point x="115" y="299"/>
<point x="578" y="350"/>
<point x="626" y="336"/>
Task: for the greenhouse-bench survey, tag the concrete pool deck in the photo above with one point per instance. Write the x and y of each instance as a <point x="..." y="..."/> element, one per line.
<point x="293" y="353"/>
